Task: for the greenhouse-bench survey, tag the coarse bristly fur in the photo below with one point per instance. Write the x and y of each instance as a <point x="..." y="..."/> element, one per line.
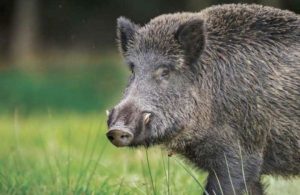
<point x="223" y="90"/>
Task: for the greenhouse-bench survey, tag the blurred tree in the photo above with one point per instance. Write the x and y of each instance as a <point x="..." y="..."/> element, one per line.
<point x="56" y="25"/>
<point x="291" y="5"/>
<point x="91" y="24"/>
<point x="6" y="11"/>
<point x="196" y="5"/>
<point x="273" y="3"/>
<point x="25" y="31"/>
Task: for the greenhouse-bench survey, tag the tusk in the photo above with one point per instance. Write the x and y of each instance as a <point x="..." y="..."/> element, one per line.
<point x="147" y="118"/>
<point x="107" y="112"/>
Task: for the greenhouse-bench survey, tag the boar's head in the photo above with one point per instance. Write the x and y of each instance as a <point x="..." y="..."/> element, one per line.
<point x="162" y="95"/>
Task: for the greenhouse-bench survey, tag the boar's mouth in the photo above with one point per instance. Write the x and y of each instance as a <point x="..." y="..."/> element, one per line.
<point x="148" y="141"/>
<point x="145" y="129"/>
<point x="133" y="132"/>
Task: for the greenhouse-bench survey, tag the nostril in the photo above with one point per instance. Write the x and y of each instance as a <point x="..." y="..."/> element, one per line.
<point x="110" y="137"/>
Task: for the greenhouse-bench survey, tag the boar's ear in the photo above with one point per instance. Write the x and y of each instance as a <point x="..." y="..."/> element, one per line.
<point x="125" y="32"/>
<point x="191" y="37"/>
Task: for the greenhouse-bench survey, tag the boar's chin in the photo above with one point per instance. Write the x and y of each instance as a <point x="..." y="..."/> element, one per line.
<point x="152" y="141"/>
<point x="145" y="143"/>
<point x="148" y="142"/>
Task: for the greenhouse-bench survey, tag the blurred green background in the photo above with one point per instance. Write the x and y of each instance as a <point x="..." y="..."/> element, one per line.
<point x="59" y="70"/>
<point x="61" y="55"/>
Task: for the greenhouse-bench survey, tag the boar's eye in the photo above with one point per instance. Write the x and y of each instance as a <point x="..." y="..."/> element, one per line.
<point x="162" y="73"/>
<point x="165" y="72"/>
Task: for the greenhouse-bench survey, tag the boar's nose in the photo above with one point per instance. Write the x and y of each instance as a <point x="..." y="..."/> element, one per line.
<point x="119" y="137"/>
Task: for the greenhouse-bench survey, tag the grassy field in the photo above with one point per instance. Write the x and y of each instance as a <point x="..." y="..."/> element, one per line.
<point x="66" y="154"/>
<point x="69" y="154"/>
<point x="81" y="87"/>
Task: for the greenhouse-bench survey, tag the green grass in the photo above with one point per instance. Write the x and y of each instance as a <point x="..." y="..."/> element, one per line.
<point x="69" y="154"/>
<point x="78" y="88"/>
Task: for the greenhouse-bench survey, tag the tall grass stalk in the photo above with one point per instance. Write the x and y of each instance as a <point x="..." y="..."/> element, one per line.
<point x="229" y="174"/>
<point x="219" y="184"/>
<point x="149" y="169"/>
<point x="243" y="171"/>
<point x="168" y="175"/>
<point x="120" y="186"/>
<point x="96" y="165"/>
<point x="166" y="171"/>
<point x="83" y="157"/>
<point x="18" y="158"/>
<point x="144" y="176"/>
<point x="68" y="159"/>
<point x="89" y="160"/>
<point x="192" y="175"/>
<point x="59" y="171"/>
<point x="47" y="160"/>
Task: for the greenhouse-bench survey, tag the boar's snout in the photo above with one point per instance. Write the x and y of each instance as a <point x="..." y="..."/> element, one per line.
<point x="127" y="123"/>
<point x="119" y="137"/>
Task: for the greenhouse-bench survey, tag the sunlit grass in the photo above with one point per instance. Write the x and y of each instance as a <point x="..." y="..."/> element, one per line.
<point x="69" y="154"/>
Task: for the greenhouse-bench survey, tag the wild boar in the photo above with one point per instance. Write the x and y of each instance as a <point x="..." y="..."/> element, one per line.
<point x="220" y="87"/>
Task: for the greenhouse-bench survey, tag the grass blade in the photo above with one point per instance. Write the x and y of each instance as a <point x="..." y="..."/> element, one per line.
<point x="168" y="175"/>
<point x="166" y="171"/>
<point x="219" y="184"/>
<point x="88" y="165"/>
<point x="243" y="171"/>
<point x="229" y="174"/>
<point x="149" y="169"/>
<point x="120" y="186"/>
<point x="83" y="157"/>
<point x="145" y="178"/>
<point x="96" y="165"/>
<point x="192" y="175"/>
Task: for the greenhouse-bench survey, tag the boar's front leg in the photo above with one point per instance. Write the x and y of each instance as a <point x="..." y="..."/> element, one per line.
<point x="230" y="177"/>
